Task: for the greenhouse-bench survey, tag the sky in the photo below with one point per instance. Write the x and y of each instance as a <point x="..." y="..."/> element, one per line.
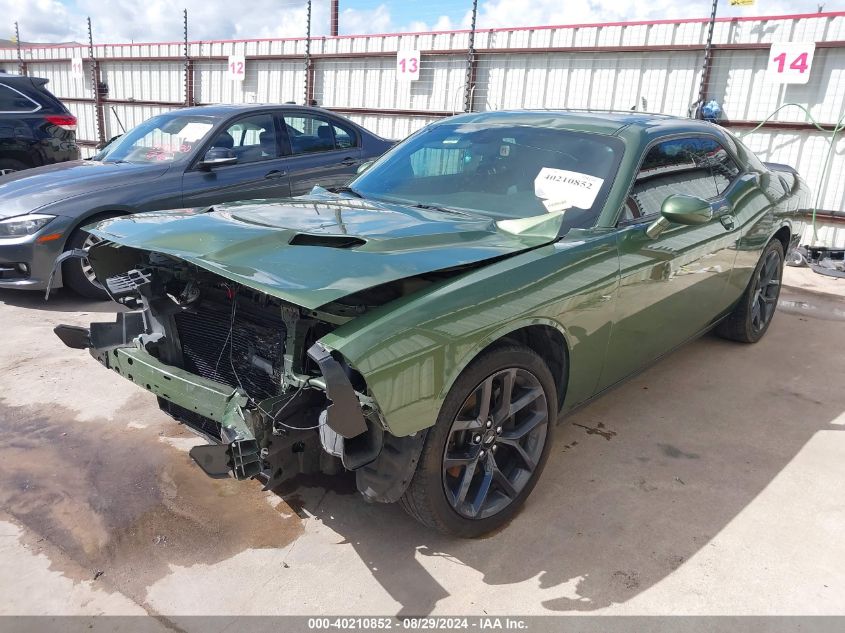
<point x="161" y="20"/>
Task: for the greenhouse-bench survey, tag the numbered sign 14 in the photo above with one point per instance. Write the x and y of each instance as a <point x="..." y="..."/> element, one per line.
<point x="790" y="62"/>
<point x="237" y="67"/>
<point x="77" y="70"/>
<point x="407" y="65"/>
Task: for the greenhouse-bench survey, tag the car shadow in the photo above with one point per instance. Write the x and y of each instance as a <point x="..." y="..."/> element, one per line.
<point x="638" y="482"/>
<point x="61" y="300"/>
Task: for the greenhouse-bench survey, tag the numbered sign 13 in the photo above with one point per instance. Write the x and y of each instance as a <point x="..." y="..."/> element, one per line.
<point x="407" y="65"/>
<point x="790" y="62"/>
<point x="237" y="67"/>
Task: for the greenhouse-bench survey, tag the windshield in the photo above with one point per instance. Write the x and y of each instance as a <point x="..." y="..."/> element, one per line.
<point x="164" y="138"/>
<point x="500" y="171"/>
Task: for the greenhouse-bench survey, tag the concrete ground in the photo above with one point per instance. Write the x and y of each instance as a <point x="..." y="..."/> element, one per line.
<point x="709" y="484"/>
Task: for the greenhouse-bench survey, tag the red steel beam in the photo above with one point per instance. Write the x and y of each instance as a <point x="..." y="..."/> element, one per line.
<point x="545" y="27"/>
<point x="451" y="51"/>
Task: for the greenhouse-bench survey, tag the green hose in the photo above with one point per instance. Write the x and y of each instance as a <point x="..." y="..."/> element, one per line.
<point x="840" y="125"/>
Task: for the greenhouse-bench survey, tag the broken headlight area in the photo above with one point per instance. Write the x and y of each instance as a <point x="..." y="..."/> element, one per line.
<point x="243" y="369"/>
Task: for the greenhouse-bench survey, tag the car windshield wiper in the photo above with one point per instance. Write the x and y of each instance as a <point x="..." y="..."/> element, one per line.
<point x="434" y="207"/>
<point x="347" y="190"/>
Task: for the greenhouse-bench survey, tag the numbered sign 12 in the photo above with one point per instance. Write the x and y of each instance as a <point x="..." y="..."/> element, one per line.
<point x="407" y="65"/>
<point x="77" y="70"/>
<point x="790" y="62"/>
<point x="237" y="67"/>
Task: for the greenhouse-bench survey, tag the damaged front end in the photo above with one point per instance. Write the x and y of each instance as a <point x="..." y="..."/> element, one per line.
<point x="246" y="371"/>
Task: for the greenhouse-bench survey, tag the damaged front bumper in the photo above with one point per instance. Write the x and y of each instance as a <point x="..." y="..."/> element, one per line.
<point x="241" y="447"/>
<point x="247" y="371"/>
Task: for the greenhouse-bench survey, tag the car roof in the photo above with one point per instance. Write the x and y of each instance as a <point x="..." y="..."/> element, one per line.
<point x="226" y="109"/>
<point x="601" y="122"/>
<point x="23" y="79"/>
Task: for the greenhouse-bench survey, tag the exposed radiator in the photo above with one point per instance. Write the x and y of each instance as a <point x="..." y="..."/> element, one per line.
<point x="251" y="357"/>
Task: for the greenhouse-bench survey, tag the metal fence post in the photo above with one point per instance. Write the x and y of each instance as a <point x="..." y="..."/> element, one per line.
<point x="333" y="20"/>
<point x="21" y="62"/>
<point x="309" y="87"/>
<point x="705" y="69"/>
<point x="95" y="84"/>
<point x="472" y="62"/>
<point x="189" y="63"/>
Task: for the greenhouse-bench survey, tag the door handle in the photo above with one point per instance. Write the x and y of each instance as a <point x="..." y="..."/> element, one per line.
<point x="728" y="221"/>
<point x="275" y="173"/>
<point x="348" y="161"/>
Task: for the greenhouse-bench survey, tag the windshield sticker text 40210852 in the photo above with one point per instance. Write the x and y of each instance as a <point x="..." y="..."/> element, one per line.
<point x="559" y="185"/>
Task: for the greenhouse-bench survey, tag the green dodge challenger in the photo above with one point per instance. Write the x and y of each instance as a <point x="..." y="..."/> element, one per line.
<point x="427" y="325"/>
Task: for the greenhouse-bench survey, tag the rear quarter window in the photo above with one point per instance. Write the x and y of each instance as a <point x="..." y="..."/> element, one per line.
<point x="12" y="100"/>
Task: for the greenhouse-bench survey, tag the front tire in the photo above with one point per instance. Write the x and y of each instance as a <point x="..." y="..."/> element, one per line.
<point x="489" y="445"/>
<point x="752" y="316"/>
<point x="77" y="273"/>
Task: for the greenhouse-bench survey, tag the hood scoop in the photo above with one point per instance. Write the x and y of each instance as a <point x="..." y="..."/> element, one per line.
<point x="326" y="241"/>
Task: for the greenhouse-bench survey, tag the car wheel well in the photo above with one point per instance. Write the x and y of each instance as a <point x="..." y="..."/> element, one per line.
<point x="550" y="344"/>
<point x="21" y="157"/>
<point x="88" y="219"/>
<point x="784" y="234"/>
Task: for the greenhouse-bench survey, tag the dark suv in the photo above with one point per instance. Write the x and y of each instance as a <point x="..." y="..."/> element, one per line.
<point x="35" y="128"/>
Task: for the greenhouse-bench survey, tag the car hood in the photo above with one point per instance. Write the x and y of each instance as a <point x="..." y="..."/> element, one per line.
<point x="32" y="189"/>
<point x="311" y="251"/>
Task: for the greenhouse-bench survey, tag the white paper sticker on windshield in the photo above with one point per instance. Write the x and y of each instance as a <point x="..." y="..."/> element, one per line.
<point x="194" y="131"/>
<point x="559" y="186"/>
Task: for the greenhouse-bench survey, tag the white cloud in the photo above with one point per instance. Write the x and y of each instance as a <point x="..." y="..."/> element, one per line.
<point x="377" y="20"/>
<point x="161" y="20"/>
<point x="504" y="13"/>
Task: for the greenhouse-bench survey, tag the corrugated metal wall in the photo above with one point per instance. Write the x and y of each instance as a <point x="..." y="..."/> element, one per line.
<point x="651" y="66"/>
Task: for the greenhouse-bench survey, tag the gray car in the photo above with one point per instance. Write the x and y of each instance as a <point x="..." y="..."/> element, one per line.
<point x="192" y="157"/>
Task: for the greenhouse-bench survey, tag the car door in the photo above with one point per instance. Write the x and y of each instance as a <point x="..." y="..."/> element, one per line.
<point x="675" y="285"/>
<point x="260" y="171"/>
<point x="324" y="151"/>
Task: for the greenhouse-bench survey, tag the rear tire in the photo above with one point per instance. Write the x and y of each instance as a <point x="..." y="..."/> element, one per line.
<point x="494" y="466"/>
<point x="752" y="316"/>
<point x="77" y="273"/>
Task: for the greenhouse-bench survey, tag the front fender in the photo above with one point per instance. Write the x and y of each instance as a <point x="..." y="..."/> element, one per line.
<point x="481" y="344"/>
<point x="411" y="351"/>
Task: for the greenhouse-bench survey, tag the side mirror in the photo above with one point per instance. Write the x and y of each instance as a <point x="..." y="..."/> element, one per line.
<point x="680" y="208"/>
<point x="364" y="166"/>
<point x="217" y="156"/>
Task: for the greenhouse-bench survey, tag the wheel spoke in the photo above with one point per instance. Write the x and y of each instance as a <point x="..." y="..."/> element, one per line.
<point x="91" y="240"/>
<point x="466" y="425"/>
<point x="502" y="482"/>
<point x="485" y="394"/>
<point x="529" y="462"/>
<point x="525" y="428"/>
<point x="503" y="411"/>
<point x="457" y="460"/>
<point x="524" y="400"/>
<point x="483" y="489"/>
<point x="755" y="312"/>
<point x="466" y="480"/>
<point x="769" y="267"/>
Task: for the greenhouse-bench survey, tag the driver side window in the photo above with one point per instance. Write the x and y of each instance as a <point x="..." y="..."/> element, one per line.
<point x="251" y="139"/>
<point x="695" y="166"/>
